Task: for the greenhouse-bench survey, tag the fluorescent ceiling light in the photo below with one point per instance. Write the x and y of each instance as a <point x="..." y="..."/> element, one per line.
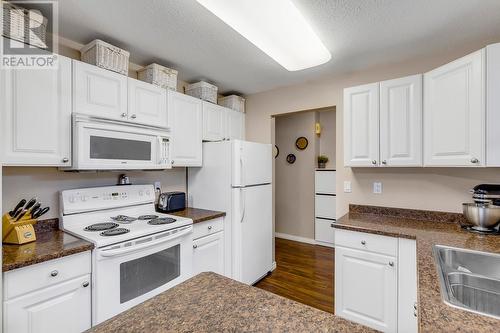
<point x="274" y="26"/>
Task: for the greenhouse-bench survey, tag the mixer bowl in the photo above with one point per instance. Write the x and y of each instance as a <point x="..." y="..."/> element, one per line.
<point x="481" y="217"/>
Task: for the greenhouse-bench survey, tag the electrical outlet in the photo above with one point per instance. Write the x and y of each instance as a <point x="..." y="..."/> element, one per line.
<point x="347" y="187"/>
<point x="157" y="185"/>
<point x="377" y="187"/>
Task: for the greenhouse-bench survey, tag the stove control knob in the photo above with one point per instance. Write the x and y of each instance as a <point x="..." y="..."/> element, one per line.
<point x="72" y="199"/>
<point x="141" y="193"/>
<point x="148" y="193"/>
<point x="84" y="198"/>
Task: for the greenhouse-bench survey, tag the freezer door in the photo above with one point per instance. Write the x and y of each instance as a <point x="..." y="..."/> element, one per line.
<point x="252" y="163"/>
<point x="252" y="231"/>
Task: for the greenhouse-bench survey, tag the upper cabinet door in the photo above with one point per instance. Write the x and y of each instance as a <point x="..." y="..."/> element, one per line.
<point x="147" y="104"/>
<point x="98" y="92"/>
<point x="361" y="125"/>
<point x="235" y="125"/>
<point x="454" y="113"/>
<point x="185" y="114"/>
<point x="36" y="115"/>
<point x="213" y="122"/>
<point x="493" y="105"/>
<point x="401" y="121"/>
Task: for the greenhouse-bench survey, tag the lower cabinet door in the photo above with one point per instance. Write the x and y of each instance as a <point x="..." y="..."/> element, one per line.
<point x="208" y="254"/>
<point x="64" y="307"/>
<point x="366" y="288"/>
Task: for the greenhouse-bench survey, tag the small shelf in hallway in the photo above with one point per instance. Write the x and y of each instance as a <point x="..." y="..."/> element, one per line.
<point x="304" y="273"/>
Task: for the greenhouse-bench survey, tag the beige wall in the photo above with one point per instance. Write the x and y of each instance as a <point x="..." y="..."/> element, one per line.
<point x="418" y="188"/>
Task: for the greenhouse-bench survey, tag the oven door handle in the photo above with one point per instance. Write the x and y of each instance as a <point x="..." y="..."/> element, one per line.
<point x="130" y="249"/>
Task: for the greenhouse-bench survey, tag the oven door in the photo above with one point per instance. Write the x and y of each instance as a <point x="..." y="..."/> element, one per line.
<point x="131" y="272"/>
<point x="108" y="145"/>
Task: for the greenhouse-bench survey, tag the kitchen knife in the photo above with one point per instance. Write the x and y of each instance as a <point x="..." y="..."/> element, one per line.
<point x="34" y="208"/>
<point x="21" y="203"/>
<point x="41" y="212"/>
<point x="20" y="216"/>
<point x="31" y="203"/>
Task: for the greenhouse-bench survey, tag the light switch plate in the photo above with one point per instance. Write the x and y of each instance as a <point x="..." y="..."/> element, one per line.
<point x="347" y="186"/>
<point x="377" y="187"/>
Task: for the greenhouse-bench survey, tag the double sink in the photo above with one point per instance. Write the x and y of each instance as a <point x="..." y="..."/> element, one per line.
<point x="469" y="280"/>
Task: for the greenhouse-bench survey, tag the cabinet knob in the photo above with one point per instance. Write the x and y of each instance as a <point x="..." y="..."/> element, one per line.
<point x="363" y="242"/>
<point x="85" y="284"/>
<point x="173" y="162"/>
<point x="54" y="273"/>
<point x="331" y="225"/>
<point x="209" y="227"/>
<point x="195" y="246"/>
<point x="474" y="160"/>
<point x="391" y="263"/>
<point x="374" y="162"/>
<point x="133" y="116"/>
<point x="384" y="162"/>
<point x="65" y="160"/>
<point x="124" y="115"/>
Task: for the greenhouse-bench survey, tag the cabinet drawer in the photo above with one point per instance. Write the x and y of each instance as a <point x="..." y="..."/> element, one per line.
<point x="26" y="279"/>
<point x="324" y="231"/>
<point x="324" y="181"/>
<point x="369" y="242"/>
<point x="325" y="206"/>
<point x="208" y="227"/>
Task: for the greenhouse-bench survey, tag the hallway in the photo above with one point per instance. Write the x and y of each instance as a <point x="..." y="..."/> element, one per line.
<point x="304" y="274"/>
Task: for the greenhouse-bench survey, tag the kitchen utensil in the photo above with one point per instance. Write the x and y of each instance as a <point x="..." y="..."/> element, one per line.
<point x="41" y="212"/>
<point x="34" y="208"/>
<point x="31" y="203"/>
<point x="19" y="205"/>
<point x="21" y="215"/>
<point x="482" y="217"/>
<point x="34" y="212"/>
<point x="18" y="232"/>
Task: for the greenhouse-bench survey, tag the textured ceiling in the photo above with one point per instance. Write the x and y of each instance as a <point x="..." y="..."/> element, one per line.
<point x="359" y="34"/>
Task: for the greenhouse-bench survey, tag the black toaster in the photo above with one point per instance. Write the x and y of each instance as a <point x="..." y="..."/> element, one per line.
<point x="171" y="202"/>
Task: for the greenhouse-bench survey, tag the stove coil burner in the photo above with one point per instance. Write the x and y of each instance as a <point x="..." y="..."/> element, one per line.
<point x="147" y="217"/>
<point x="114" y="232"/>
<point x="162" y="220"/>
<point x="101" y="226"/>
<point x="123" y="218"/>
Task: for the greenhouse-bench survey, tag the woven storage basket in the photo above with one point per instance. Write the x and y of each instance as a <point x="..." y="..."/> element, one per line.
<point x="106" y="56"/>
<point x="17" y="22"/>
<point x="203" y="90"/>
<point x="233" y="102"/>
<point x="159" y="75"/>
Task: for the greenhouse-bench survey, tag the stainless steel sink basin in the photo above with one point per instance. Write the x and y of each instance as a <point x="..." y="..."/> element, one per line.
<point x="470" y="280"/>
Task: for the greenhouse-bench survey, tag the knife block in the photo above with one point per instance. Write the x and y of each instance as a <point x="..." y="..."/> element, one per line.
<point x="17" y="232"/>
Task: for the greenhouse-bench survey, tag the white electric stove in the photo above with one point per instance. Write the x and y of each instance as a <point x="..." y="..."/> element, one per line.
<point x="138" y="253"/>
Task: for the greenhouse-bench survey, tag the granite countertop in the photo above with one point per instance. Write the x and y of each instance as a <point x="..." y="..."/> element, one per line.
<point x="428" y="229"/>
<point x="51" y="243"/>
<point x="212" y="303"/>
<point x="199" y="215"/>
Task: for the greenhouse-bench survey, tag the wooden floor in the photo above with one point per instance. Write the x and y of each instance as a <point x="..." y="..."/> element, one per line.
<point x="304" y="274"/>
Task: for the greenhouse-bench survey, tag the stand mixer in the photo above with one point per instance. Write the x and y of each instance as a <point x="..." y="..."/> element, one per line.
<point x="483" y="215"/>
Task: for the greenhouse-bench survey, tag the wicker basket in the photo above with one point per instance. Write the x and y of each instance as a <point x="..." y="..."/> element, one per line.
<point x="233" y="102"/>
<point x="159" y="75"/>
<point x="203" y="90"/>
<point x="16" y="25"/>
<point x="106" y="56"/>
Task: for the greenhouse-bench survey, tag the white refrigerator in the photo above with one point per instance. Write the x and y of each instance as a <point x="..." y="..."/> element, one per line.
<point x="236" y="178"/>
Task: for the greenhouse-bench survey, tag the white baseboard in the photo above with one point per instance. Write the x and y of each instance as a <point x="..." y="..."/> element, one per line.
<point x="324" y="244"/>
<point x="295" y="238"/>
<point x="274" y="266"/>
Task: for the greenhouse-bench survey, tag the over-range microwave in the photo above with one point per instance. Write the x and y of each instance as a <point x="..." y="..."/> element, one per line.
<point x="101" y="144"/>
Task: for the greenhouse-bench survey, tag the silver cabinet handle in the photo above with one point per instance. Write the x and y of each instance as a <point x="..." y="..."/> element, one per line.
<point x="363" y="242"/>
<point x="54" y="273"/>
<point x="124" y="115"/>
<point x="391" y="263"/>
<point x="415" y="313"/>
<point x="332" y="225"/>
<point x="133" y="116"/>
<point x="374" y="162"/>
<point x="85" y="284"/>
<point x="65" y="160"/>
<point x="474" y="160"/>
<point x="195" y="246"/>
<point x="209" y="227"/>
<point x="415" y="305"/>
<point x="384" y="162"/>
<point x="172" y="162"/>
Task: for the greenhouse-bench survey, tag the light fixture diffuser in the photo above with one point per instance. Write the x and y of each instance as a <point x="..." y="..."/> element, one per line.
<point x="274" y="26"/>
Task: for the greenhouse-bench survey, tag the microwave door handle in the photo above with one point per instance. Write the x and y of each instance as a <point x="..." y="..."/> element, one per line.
<point x="130" y="249"/>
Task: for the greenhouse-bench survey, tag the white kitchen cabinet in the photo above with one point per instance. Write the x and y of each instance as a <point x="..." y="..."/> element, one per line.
<point x="147" y="104"/>
<point x="99" y="92"/>
<point x="401" y="121"/>
<point x="185" y="117"/>
<point x="214" y="122"/>
<point x="454" y="113"/>
<point x="407" y="286"/>
<point x="324" y="231"/>
<point x="208" y="254"/>
<point x="36" y="115"/>
<point x="492" y="105"/>
<point x="235" y="125"/>
<point x="366" y="288"/>
<point x="325" y="206"/>
<point x="325" y="181"/>
<point x="65" y="307"/>
<point x="361" y="125"/>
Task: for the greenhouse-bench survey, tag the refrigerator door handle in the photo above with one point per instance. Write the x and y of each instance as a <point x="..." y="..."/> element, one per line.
<point x="241" y="170"/>
<point x="242" y="204"/>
